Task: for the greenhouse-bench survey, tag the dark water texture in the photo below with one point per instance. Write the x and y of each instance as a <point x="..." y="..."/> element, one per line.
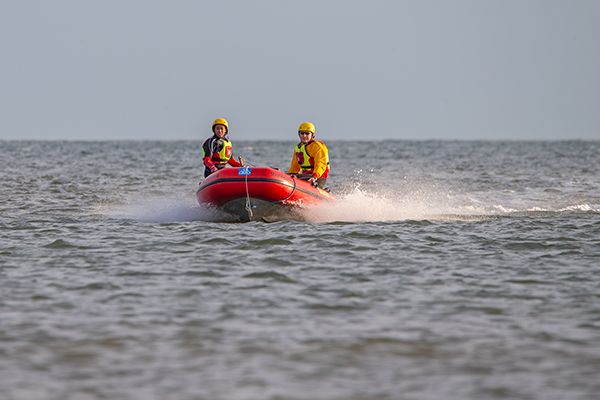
<point x="447" y="270"/>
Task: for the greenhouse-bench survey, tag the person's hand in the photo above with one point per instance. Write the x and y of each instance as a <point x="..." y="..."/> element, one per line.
<point x="213" y="169"/>
<point x="241" y="161"/>
<point x="313" y="181"/>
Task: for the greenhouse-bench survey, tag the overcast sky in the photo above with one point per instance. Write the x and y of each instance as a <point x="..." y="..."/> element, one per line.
<point x="448" y="69"/>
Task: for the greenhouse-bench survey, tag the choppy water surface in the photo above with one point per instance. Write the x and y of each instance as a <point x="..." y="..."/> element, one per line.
<point x="447" y="270"/>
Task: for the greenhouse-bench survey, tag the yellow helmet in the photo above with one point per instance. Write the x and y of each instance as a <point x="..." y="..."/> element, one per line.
<point x="220" y="121"/>
<point x="307" y="127"/>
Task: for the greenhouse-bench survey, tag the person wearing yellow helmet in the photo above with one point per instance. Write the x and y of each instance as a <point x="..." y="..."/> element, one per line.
<point x="217" y="150"/>
<point x="311" y="157"/>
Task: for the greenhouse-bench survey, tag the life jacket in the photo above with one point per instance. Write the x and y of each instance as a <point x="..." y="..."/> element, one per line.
<point x="306" y="161"/>
<point x="220" y="151"/>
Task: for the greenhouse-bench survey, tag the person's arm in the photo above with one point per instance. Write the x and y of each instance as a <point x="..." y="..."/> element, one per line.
<point x="234" y="163"/>
<point x="319" y="155"/>
<point x="294" y="166"/>
<point x="206" y="156"/>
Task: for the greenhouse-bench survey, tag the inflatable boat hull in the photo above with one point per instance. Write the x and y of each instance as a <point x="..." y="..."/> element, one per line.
<point x="252" y="193"/>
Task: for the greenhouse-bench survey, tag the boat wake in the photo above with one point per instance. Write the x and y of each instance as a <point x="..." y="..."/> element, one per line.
<point x="163" y="210"/>
<point x="370" y="204"/>
<point x="389" y="204"/>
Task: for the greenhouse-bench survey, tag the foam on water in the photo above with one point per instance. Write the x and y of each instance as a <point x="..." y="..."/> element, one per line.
<point x="161" y="210"/>
<point x="356" y="205"/>
<point x="394" y="204"/>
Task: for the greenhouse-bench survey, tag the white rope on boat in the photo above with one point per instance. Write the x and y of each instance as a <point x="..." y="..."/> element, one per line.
<point x="248" y="203"/>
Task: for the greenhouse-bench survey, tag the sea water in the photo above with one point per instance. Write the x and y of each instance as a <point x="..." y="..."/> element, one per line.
<point x="446" y="270"/>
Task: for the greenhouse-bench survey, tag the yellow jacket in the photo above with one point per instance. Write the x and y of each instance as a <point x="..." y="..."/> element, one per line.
<point x="317" y="163"/>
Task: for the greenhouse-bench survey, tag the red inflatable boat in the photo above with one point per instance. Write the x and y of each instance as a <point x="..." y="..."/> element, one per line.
<point x="253" y="193"/>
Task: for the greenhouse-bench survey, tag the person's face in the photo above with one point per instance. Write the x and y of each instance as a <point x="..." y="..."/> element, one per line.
<point x="305" y="136"/>
<point x="220" y="131"/>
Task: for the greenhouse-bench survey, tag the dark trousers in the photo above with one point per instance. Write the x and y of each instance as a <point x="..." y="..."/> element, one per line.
<point x="207" y="171"/>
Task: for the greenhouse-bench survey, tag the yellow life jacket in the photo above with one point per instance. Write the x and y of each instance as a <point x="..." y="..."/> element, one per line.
<point x="306" y="161"/>
<point x="220" y="151"/>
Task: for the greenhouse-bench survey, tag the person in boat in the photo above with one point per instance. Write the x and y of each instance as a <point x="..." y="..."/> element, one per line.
<point x="311" y="157"/>
<point x="217" y="150"/>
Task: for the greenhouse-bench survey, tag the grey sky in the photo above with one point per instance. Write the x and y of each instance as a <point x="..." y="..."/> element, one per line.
<point x="147" y="69"/>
